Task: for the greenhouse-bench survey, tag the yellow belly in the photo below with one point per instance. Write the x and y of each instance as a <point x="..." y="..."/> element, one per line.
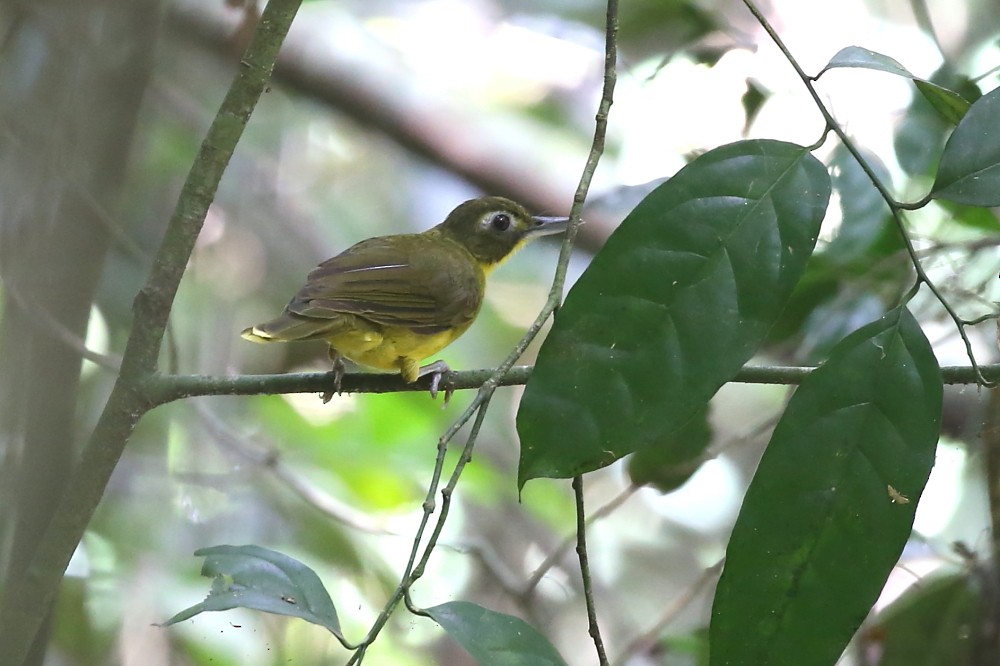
<point x="392" y="348"/>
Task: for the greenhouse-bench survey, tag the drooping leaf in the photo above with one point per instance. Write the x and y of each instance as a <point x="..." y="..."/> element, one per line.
<point x="495" y="639"/>
<point x="950" y="105"/>
<point x="969" y="172"/>
<point x="265" y="580"/>
<point x="920" y="136"/>
<point x="857" y="56"/>
<point x="832" y="502"/>
<point x="679" y="298"/>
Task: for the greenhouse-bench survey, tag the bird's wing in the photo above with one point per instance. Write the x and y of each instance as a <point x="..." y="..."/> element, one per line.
<point x="414" y="284"/>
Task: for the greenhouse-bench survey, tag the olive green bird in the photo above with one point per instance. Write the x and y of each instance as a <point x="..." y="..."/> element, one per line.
<point x="390" y="302"/>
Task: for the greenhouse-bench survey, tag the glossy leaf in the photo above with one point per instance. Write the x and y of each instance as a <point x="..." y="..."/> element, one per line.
<point x="832" y="502"/>
<point x="969" y="172"/>
<point x="678" y="299"/>
<point x="262" y="579"/>
<point x="949" y="104"/>
<point x="495" y="639"/>
<point x="933" y="624"/>
<point x="857" y="56"/>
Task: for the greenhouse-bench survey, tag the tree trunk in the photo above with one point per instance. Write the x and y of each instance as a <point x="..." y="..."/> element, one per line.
<point x="73" y="74"/>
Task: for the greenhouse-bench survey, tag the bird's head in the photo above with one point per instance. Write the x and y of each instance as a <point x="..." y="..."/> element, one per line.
<point x="493" y="228"/>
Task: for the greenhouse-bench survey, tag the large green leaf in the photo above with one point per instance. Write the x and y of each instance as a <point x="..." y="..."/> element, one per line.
<point x="969" y="172"/>
<point x="265" y="580"/>
<point x="677" y="300"/>
<point x="832" y="502"/>
<point x="495" y="639"/>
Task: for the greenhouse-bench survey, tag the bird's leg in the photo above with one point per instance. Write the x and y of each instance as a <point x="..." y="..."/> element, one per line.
<point x="338" y="374"/>
<point x="436" y="369"/>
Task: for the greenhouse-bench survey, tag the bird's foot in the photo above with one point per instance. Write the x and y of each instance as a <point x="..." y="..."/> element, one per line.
<point x="338" y="375"/>
<point x="437" y="370"/>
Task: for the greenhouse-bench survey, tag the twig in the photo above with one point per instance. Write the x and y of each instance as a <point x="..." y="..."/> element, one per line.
<point x="895" y="207"/>
<point x="560" y="551"/>
<point x="26" y="598"/>
<point x="161" y="389"/>
<point x="588" y="588"/>
<point x="480" y="403"/>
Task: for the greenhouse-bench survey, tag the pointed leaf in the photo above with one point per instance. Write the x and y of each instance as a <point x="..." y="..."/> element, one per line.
<point x="677" y="300"/>
<point x="832" y="502"/>
<point x="857" y="56"/>
<point x="495" y="639"/>
<point x="262" y="579"/>
<point x="949" y="104"/>
<point x="969" y="172"/>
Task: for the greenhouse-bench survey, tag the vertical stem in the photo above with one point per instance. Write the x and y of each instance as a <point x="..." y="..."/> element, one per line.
<point x="588" y="588"/>
<point x="26" y="598"/>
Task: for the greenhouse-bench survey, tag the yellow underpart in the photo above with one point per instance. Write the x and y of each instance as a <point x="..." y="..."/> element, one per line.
<point x="392" y="347"/>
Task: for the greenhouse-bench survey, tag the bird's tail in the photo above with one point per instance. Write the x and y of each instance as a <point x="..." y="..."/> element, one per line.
<point x="287" y="327"/>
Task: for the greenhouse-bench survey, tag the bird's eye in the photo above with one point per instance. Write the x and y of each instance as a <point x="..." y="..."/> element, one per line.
<point x="500" y="221"/>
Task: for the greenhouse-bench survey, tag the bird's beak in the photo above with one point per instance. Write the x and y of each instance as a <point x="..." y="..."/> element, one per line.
<point x="548" y="225"/>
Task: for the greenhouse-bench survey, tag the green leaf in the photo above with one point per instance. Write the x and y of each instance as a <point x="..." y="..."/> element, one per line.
<point x="933" y="624"/>
<point x="678" y="299"/>
<point x="262" y="579"/>
<point x="948" y="103"/>
<point x="832" y="502"/>
<point x="495" y="639"/>
<point x="969" y="172"/>
<point x="856" y="56"/>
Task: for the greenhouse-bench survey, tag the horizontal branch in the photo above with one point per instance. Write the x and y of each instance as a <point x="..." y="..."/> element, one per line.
<point x="161" y="389"/>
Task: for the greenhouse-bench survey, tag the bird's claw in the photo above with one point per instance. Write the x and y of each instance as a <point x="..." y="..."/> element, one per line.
<point x="338" y="375"/>
<point x="436" y="370"/>
<point x="436" y="386"/>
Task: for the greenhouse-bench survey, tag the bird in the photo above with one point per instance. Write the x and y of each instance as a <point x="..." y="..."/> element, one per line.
<point x="389" y="302"/>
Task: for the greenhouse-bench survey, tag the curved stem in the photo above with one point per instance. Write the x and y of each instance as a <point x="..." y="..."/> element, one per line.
<point x="895" y="207"/>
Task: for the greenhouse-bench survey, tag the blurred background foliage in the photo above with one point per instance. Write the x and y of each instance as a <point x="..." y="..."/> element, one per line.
<point x="381" y="118"/>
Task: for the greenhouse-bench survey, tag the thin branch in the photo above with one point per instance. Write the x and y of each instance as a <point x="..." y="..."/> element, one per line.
<point x="895" y="207"/>
<point x="560" y="551"/>
<point x="161" y="389"/>
<point x="588" y="588"/>
<point x="481" y="402"/>
<point x="26" y="598"/>
<point x="415" y="569"/>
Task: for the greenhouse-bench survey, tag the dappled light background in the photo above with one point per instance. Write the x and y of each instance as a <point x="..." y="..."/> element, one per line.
<point x="382" y="118"/>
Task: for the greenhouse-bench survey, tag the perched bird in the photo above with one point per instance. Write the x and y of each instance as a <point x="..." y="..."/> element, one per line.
<point x="389" y="302"/>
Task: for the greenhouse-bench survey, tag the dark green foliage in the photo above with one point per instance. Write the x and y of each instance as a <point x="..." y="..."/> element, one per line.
<point x="832" y="502"/>
<point x="676" y="302"/>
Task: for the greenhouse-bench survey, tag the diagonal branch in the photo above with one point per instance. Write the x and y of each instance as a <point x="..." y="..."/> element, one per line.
<point x="26" y="599"/>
